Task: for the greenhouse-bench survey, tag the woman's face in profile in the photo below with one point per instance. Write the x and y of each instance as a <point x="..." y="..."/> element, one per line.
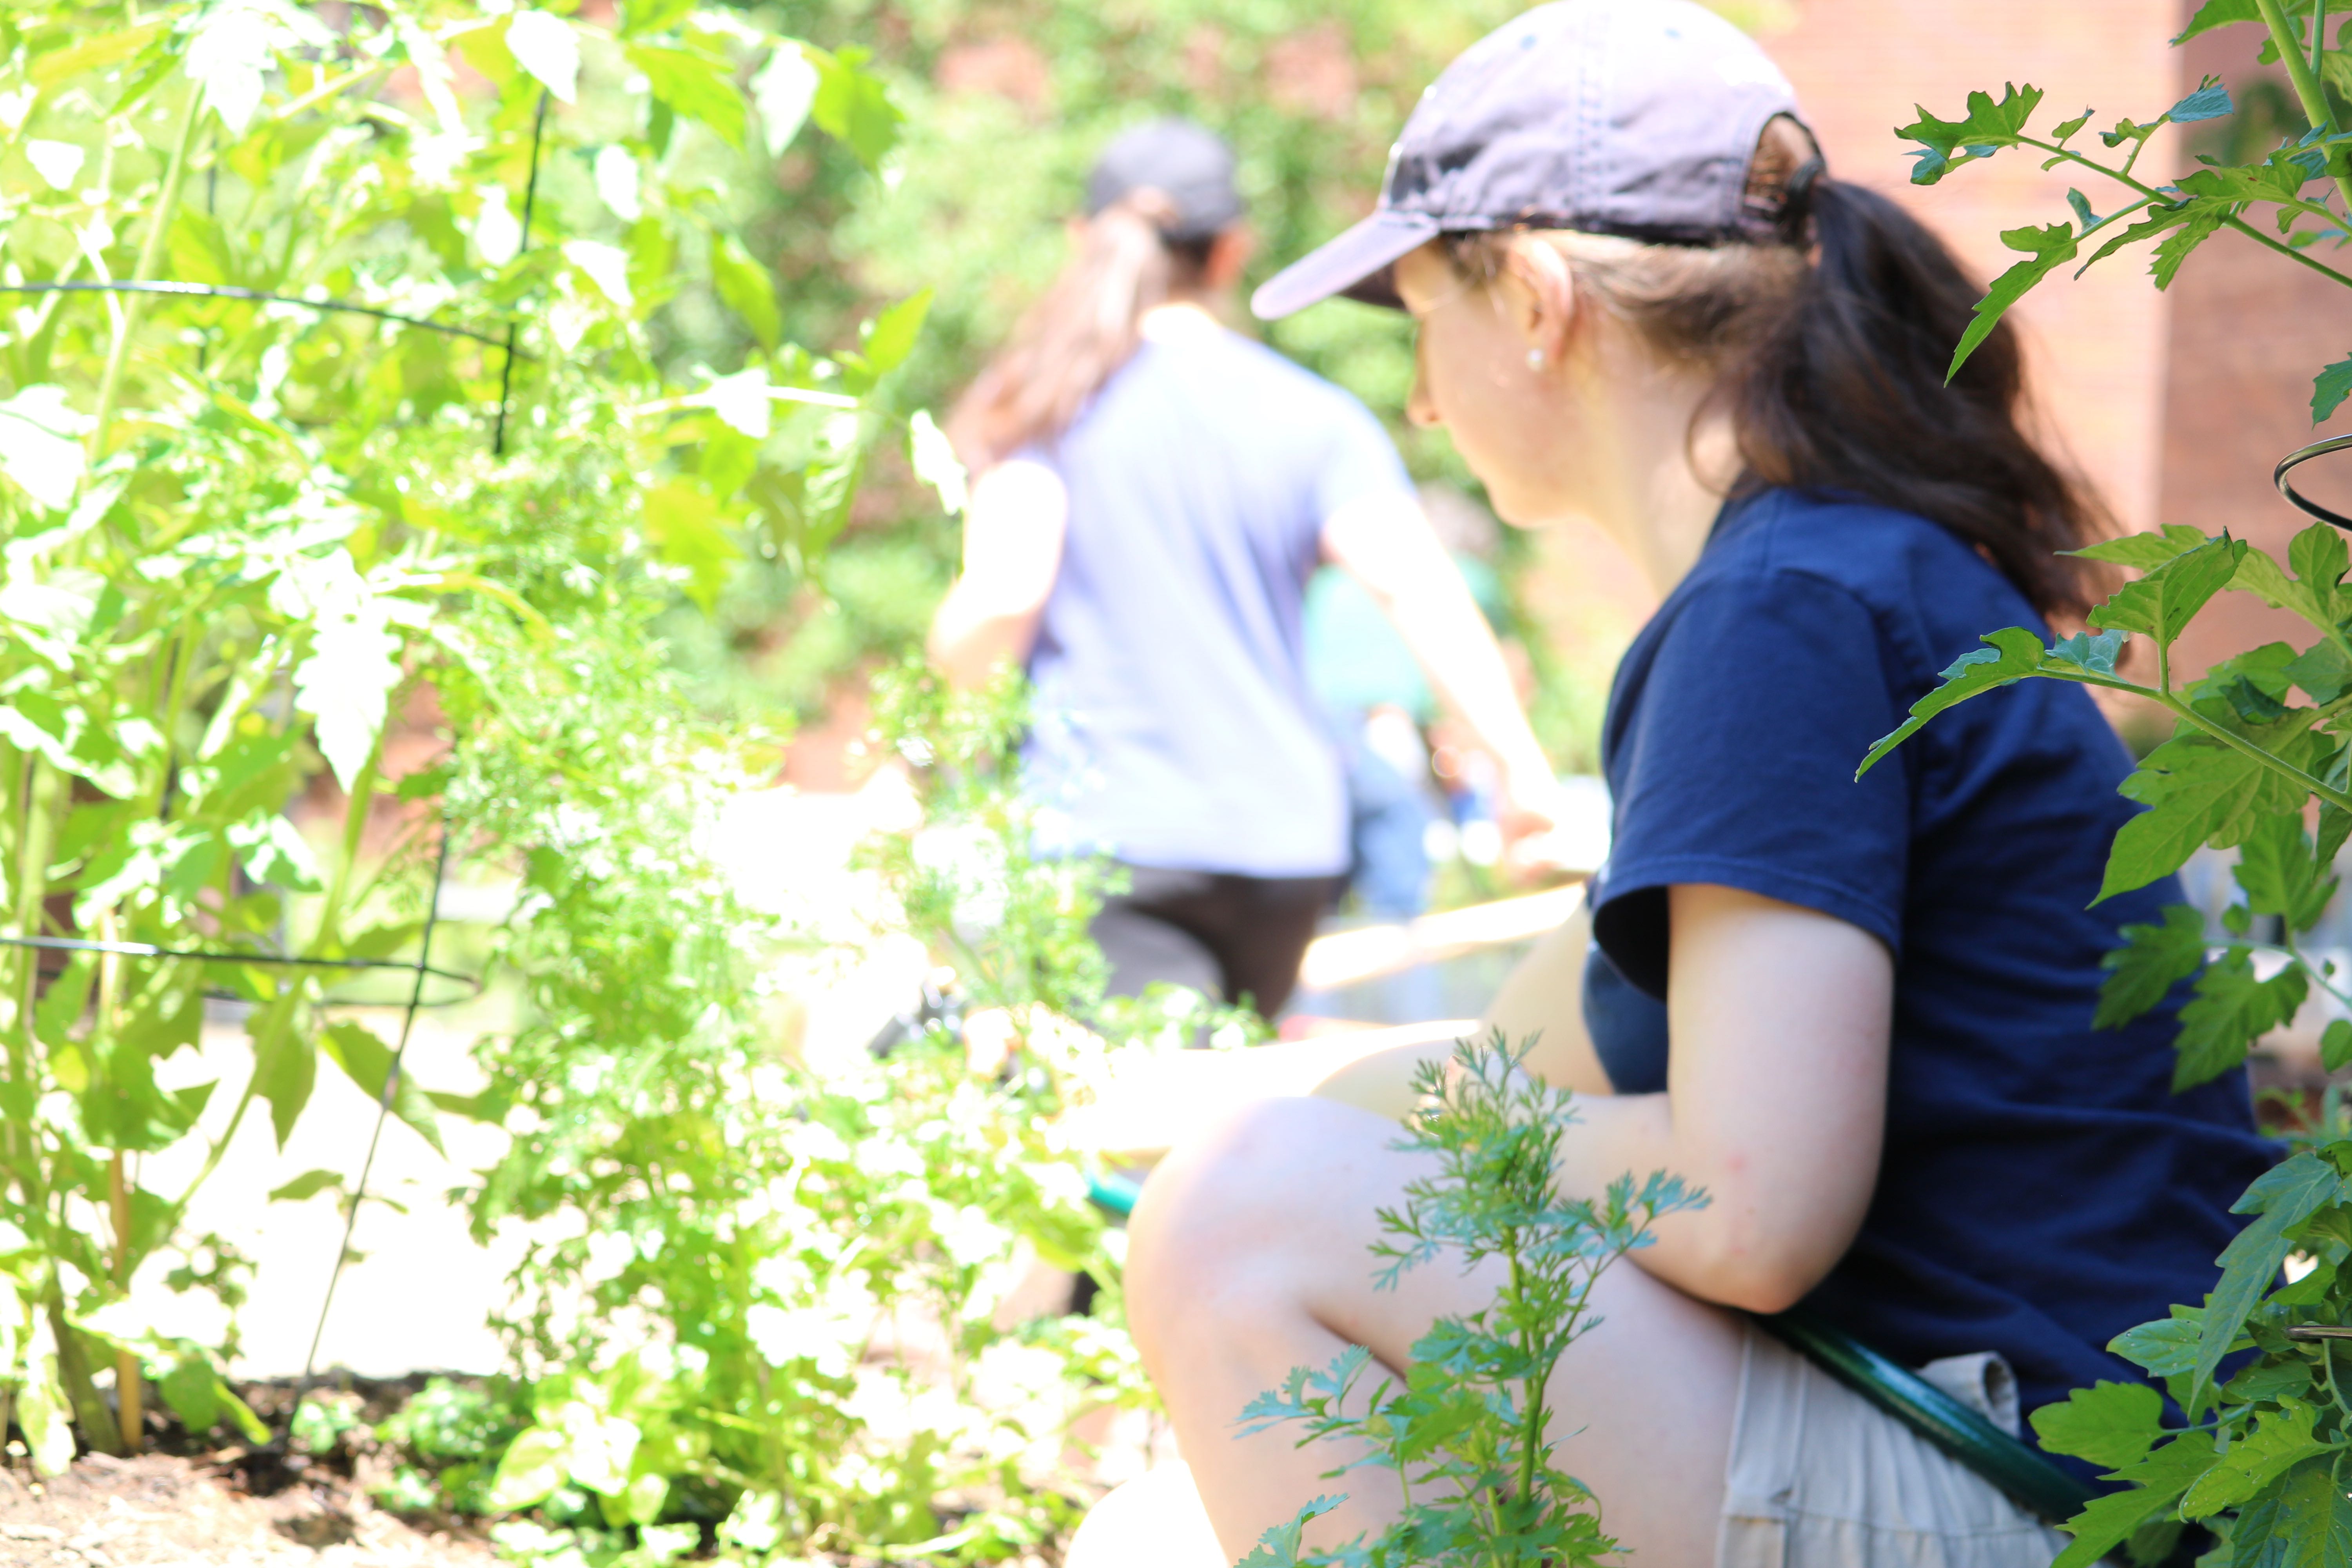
<point x="1472" y="375"/>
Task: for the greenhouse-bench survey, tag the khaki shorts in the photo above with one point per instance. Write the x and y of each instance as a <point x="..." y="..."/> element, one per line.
<point x="1821" y="1477"/>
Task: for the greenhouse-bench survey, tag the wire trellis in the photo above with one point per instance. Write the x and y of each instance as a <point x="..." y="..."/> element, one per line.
<point x="422" y="967"/>
<point x="2303" y="503"/>
<point x="236" y="292"/>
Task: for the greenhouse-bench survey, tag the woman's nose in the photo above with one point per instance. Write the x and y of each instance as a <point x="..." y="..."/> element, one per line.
<point x="1418" y="407"/>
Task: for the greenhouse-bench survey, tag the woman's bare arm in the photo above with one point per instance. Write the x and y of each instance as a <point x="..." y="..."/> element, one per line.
<point x="1386" y="545"/>
<point x="1012" y="534"/>
<point x="1776" y="1098"/>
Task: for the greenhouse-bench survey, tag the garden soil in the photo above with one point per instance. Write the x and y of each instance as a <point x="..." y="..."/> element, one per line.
<point x="161" y="1509"/>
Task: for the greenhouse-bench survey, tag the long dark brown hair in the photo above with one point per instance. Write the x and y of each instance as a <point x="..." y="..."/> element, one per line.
<point x="1830" y="349"/>
<point x="1080" y="331"/>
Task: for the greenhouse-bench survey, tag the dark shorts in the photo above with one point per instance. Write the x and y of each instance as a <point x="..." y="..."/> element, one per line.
<point x="1236" y="939"/>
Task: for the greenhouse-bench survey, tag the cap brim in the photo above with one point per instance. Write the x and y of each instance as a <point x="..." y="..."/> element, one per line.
<point x="1356" y="264"/>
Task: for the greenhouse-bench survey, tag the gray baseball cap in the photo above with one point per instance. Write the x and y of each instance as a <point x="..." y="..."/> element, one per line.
<point x="1186" y="162"/>
<point x="1629" y="117"/>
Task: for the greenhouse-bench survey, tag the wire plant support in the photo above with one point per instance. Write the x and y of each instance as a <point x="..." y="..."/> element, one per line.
<point x="2303" y="503"/>
<point x="385" y="1099"/>
<point x="421" y="968"/>
<point x="235" y="291"/>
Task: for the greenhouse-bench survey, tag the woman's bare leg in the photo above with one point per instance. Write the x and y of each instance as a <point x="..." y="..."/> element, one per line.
<point x="1248" y="1255"/>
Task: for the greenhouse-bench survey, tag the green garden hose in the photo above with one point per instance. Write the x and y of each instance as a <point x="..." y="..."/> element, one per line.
<point x="2023" y="1476"/>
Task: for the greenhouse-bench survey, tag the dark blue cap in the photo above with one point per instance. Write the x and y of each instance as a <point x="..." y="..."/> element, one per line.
<point x="1189" y="165"/>
<point x="1627" y="117"/>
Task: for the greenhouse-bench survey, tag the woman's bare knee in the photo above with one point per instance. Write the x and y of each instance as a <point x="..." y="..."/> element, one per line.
<point x="1221" y="1231"/>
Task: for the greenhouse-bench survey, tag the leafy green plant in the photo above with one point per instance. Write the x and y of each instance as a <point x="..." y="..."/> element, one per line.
<point x="778" y="1309"/>
<point x="2258" y="1456"/>
<point x="445" y="1441"/>
<point x="2183" y="215"/>
<point x="399" y="430"/>
<point x="1466" y="1433"/>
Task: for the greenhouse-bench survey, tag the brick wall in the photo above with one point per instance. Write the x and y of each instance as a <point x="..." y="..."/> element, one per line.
<point x="2096" y="346"/>
<point x="2248" y="330"/>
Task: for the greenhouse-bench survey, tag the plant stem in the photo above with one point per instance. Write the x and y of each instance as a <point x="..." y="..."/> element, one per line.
<point x="2308" y="88"/>
<point x="129" y="1418"/>
<point x="2277" y="764"/>
<point x="271" y="1039"/>
<point x="2238" y="224"/>
<point x="150" y="256"/>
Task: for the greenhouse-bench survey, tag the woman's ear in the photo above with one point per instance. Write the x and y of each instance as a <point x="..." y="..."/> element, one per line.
<point x="1539" y="293"/>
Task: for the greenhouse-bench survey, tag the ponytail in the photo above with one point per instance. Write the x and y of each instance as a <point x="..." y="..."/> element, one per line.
<point x="1829" y="348"/>
<point x="1083" y="330"/>
<point x="1846" y="390"/>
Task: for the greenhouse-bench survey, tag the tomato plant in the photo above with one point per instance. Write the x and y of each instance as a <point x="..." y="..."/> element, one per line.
<point x="2257" y="1455"/>
<point x="341" y="382"/>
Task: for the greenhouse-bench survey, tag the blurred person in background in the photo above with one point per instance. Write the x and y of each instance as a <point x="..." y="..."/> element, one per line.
<point x="1151" y="491"/>
<point x="1383" y="711"/>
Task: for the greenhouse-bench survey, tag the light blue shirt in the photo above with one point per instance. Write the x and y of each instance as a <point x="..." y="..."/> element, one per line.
<point x="1174" y="724"/>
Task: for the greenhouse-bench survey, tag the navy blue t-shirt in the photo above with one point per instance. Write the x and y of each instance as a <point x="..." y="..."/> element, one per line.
<point x="2042" y="1187"/>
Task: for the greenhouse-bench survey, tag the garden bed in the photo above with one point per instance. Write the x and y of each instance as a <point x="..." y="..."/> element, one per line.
<point x="181" y="1509"/>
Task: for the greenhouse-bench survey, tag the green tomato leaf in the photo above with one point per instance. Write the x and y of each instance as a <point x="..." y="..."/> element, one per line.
<point x="305" y="1186"/>
<point x="2152" y="961"/>
<point x="683" y="524"/>
<point x="534" y="1465"/>
<point x="2013" y="654"/>
<point x="640" y="1502"/>
<point x="2093" y="653"/>
<point x="2107" y="1521"/>
<point x="42" y="1408"/>
<point x="2048" y="246"/>
<point x="653" y="15"/>
<point x="94" y="52"/>
<point x="2199" y="226"/>
<point x="2111" y="1424"/>
<point x="273" y="854"/>
<point x="853" y="107"/>
<point x="2209" y="101"/>
<point x="891" y="336"/>
<point x="695" y="85"/>
<point x="2329" y="388"/>
<point x="2218" y="14"/>
<point x="285" y="1069"/>
<point x="2165" y="1348"/>
<point x="368" y="1062"/>
<point x="2283" y="1197"/>
<point x="2231" y="1010"/>
<point x="192" y="1390"/>
<point x="2312" y="1523"/>
<point x="1986" y="127"/>
<point x="2335" y="1045"/>
<point x="549" y="51"/>
<point x="2278" y="1441"/>
<point x="233" y="48"/>
<point x="783" y="92"/>
<point x="747" y="289"/>
<point x="2198" y="790"/>
<point x="933" y="457"/>
<point x="2162" y="603"/>
<point x="40" y="445"/>
<point x="2280" y="874"/>
<point x="353" y="664"/>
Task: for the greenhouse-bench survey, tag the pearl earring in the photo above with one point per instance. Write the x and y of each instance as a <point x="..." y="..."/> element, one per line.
<point x="1535" y="359"/>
